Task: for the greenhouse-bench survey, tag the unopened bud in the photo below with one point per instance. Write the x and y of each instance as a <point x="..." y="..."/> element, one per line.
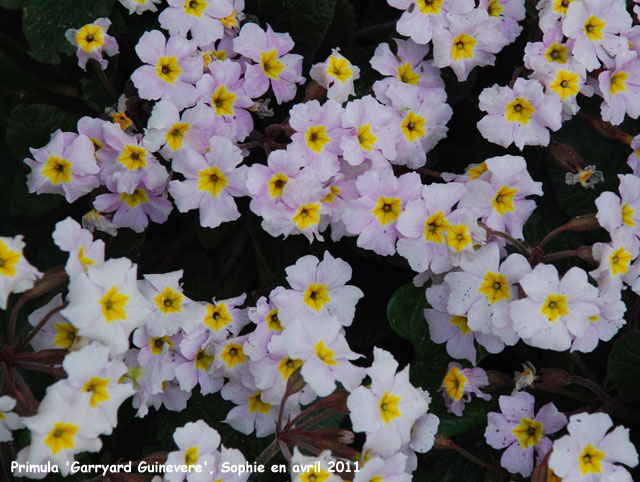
<point x="555" y="378"/>
<point x="314" y="91"/>
<point x="566" y="156"/>
<point x="587" y="222"/>
<point x="585" y="253"/>
<point x="295" y="382"/>
<point x="52" y="278"/>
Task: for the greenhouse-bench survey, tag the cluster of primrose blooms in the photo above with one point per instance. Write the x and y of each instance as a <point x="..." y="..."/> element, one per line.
<point x="353" y="166"/>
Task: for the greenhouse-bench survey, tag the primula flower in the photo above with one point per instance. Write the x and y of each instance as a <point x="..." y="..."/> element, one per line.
<point x="134" y="210"/>
<point x="483" y="290"/>
<point x="373" y="216"/>
<point x="298" y="211"/>
<point x="140" y="6"/>
<point x="633" y="161"/>
<point x="57" y="333"/>
<point x="222" y="89"/>
<point x="621" y="212"/>
<point x="521" y="115"/>
<point x="16" y="274"/>
<point x="318" y="289"/>
<point x="127" y="163"/>
<point x="90" y="371"/>
<point x="615" y="262"/>
<point x="552" y="13"/>
<point x="202" y="18"/>
<point x="105" y="304"/>
<point x="195" y="367"/>
<point x="318" y="130"/>
<point x="274" y="65"/>
<point x="602" y="326"/>
<point x="9" y="421"/>
<point x="454" y="330"/>
<point x="172" y="310"/>
<point x="212" y="181"/>
<point x="168" y="131"/>
<point x="91" y="41"/>
<point x="621" y="89"/>
<point x="171" y="69"/>
<point x="337" y="75"/>
<point x="61" y="428"/>
<point x="83" y="251"/>
<point x="458" y="385"/>
<point x="66" y="166"/>
<point x="501" y="200"/>
<point x="314" y="468"/>
<point x="197" y="447"/>
<point x="510" y="12"/>
<point x="370" y="133"/>
<point x="522" y="431"/>
<point x="325" y="353"/>
<point x="554" y="309"/>
<point x="424" y="224"/>
<point x="392" y="469"/>
<point x="468" y="41"/>
<point x="594" y="25"/>
<point x="408" y="66"/>
<point x="421" y="18"/>
<point x="592" y="452"/>
<point x="388" y="408"/>
<point x="424" y="114"/>
<point x="266" y="183"/>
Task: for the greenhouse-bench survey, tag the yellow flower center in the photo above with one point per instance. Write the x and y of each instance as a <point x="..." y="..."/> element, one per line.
<point x="413" y="126"/>
<point x="175" y="134"/>
<point x="257" y="405"/>
<point x="430" y="7"/>
<point x="325" y="354"/>
<point x="272" y="320"/>
<point x="316" y="296"/>
<point x="158" y="343"/>
<point x="133" y="157"/>
<point x="519" y="110"/>
<point x="191" y="455"/>
<point x="495" y="287"/>
<point x="61" y="437"/>
<point x="317" y="138"/>
<point x="387" y="209"/>
<point x="528" y="432"/>
<point x="287" y="366"/>
<point x="461" y="323"/>
<point x="8" y="261"/>
<point x="66" y="335"/>
<point x="222" y="101"/>
<point x="556" y="53"/>
<point x="554" y="307"/>
<point x="388" y="407"/>
<point x="203" y="360"/>
<point x="313" y="475"/>
<point x="139" y="196"/>
<point x="365" y="138"/>
<point x="462" y="47"/>
<point x="458" y="237"/>
<point x="230" y="21"/>
<point x="212" y="180"/>
<point x="277" y="184"/>
<point x="98" y="389"/>
<point x="590" y="460"/>
<point x="565" y="84"/>
<point x="57" y="170"/>
<point x="217" y="316"/>
<point x="561" y="6"/>
<point x="434" y="228"/>
<point x="477" y="171"/>
<point x="407" y="75"/>
<point x="618" y="82"/>
<point x="619" y="261"/>
<point x="233" y="355"/>
<point x="169" y="301"/>
<point x="270" y="64"/>
<point x="307" y="215"/>
<point x="113" y="305"/>
<point x="194" y="7"/>
<point x="454" y="383"/>
<point x="627" y="215"/>
<point x="593" y="28"/>
<point x="503" y="200"/>
<point x="90" y="37"/>
<point x="168" y="69"/>
<point x="339" y="69"/>
<point x="333" y="192"/>
<point x="494" y="8"/>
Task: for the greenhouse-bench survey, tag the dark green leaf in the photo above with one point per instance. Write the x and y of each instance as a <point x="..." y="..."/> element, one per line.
<point x="306" y="20"/>
<point x="405" y="312"/>
<point x="624" y="365"/>
<point x="11" y="4"/>
<point x="31" y="126"/>
<point x="46" y="21"/>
